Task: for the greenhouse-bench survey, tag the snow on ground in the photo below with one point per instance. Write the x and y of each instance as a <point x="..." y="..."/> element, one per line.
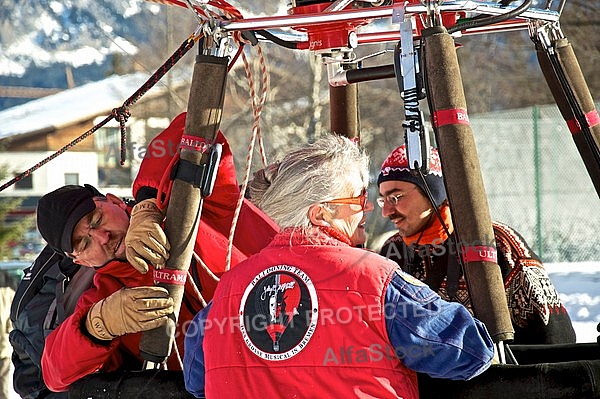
<point x="579" y="288"/>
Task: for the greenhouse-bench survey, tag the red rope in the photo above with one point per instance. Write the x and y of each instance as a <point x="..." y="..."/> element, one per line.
<point x="162" y="197"/>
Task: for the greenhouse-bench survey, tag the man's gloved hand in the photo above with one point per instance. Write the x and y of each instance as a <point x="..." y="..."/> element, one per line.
<point x="129" y="310"/>
<point x="146" y="240"/>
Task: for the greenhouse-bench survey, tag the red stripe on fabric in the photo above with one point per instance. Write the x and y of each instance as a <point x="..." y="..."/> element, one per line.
<point x="457" y="116"/>
<point x="479" y="253"/>
<point x="194" y="143"/>
<point x="170" y="276"/>
<point x="591" y="117"/>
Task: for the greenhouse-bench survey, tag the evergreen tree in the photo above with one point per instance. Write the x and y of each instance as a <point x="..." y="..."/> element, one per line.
<point x="11" y="230"/>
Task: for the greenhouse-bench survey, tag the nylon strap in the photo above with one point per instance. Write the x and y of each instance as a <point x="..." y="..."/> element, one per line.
<point x="591" y="117"/>
<point x="457" y="116"/>
<point x="170" y="276"/>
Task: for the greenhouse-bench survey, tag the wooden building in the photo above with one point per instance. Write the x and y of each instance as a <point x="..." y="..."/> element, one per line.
<point x="34" y="131"/>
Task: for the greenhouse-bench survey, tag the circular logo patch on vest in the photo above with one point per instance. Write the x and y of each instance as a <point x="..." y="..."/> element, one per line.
<point x="278" y="313"/>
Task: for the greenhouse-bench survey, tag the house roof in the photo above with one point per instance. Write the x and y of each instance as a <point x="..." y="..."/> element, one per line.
<point x="73" y="105"/>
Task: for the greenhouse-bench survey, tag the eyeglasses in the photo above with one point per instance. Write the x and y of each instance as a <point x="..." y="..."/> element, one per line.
<point x="393" y="199"/>
<point x="360" y="200"/>
<point x="95" y="221"/>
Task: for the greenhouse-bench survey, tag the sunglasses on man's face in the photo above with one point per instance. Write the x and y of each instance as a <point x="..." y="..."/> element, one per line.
<point x="360" y="200"/>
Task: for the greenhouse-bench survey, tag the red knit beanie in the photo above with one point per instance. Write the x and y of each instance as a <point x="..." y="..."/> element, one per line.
<point x="395" y="167"/>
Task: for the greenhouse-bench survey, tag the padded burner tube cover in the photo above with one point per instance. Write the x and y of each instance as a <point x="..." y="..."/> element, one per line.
<point x="464" y="183"/>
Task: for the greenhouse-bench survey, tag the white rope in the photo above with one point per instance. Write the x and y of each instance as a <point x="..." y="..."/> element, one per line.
<point x="257" y="107"/>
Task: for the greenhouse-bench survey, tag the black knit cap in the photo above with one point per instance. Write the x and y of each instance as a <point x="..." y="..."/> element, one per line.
<point x="60" y="210"/>
<point x="395" y="167"/>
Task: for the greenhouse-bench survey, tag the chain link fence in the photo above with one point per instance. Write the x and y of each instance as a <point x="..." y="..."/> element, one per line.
<point x="537" y="183"/>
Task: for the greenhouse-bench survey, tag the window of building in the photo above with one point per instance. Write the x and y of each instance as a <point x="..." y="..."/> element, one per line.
<point x="71" y="178"/>
<point x="108" y="147"/>
<point x="25" y="183"/>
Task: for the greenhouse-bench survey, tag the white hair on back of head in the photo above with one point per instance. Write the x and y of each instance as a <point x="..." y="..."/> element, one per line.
<point x="332" y="167"/>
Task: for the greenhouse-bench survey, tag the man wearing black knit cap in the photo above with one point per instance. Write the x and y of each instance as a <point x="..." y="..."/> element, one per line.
<point x="60" y="210"/>
<point x="90" y="228"/>
<point x="425" y="247"/>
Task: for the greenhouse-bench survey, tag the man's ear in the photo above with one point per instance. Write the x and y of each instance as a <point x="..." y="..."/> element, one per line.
<point x="116" y="200"/>
<point x="79" y="262"/>
<point x="317" y="215"/>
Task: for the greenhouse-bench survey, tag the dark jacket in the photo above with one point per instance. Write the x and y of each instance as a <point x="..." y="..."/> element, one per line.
<point x="42" y="301"/>
<point x="537" y="313"/>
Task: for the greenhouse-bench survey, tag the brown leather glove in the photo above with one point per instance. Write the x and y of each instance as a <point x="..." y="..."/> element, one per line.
<point x="129" y="310"/>
<point x="145" y="240"/>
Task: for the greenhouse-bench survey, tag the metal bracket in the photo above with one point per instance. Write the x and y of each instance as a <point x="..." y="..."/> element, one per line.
<point x="216" y="39"/>
<point x="337" y="64"/>
<point x="410" y="82"/>
<point x="434" y="17"/>
<point x="546" y="34"/>
<point x="211" y="172"/>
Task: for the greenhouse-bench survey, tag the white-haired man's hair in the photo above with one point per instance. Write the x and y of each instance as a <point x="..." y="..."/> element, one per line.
<point x="332" y="167"/>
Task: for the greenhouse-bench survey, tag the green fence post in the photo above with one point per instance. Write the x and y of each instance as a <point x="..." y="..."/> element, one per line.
<point x="538" y="179"/>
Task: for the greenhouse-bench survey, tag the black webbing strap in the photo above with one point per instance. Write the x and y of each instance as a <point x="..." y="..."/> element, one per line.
<point x="189" y="172"/>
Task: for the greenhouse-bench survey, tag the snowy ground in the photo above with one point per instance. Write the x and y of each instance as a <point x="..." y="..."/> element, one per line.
<point x="579" y="288"/>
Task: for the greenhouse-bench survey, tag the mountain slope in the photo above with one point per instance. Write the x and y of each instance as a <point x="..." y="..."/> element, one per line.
<point x="39" y="39"/>
<point x="41" y="33"/>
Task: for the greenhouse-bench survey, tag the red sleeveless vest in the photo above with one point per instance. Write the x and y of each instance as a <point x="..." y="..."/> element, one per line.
<point x="302" y="320"/>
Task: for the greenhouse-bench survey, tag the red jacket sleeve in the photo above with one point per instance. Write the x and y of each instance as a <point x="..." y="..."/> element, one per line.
<point x="70" y="354"/>
<point x="254" y="230"/>
<point x="159" y="155"/>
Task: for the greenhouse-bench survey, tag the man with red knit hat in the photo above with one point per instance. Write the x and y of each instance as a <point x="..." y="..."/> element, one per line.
<point x="419" y="209"/>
